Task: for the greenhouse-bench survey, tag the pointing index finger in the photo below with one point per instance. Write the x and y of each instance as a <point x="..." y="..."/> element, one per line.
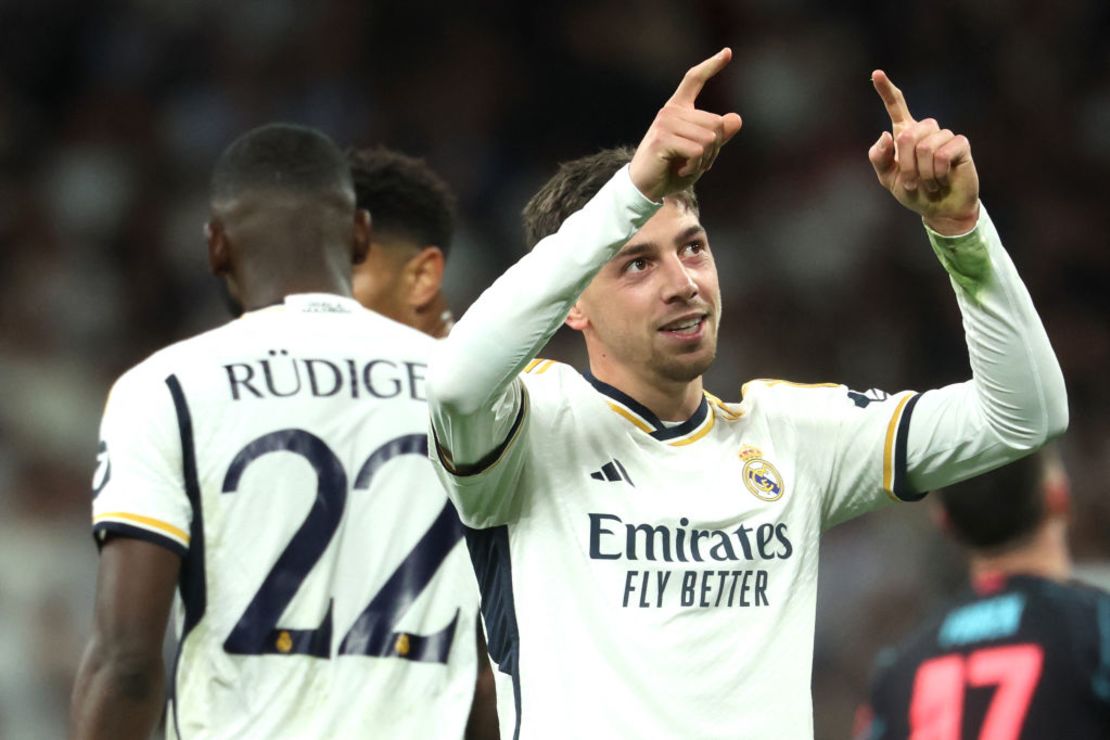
<point x="892" y="98"/>
<point x="696" y="77"/>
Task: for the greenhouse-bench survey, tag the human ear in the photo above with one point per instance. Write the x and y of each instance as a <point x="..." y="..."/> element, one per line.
<point x="424" y="276"/>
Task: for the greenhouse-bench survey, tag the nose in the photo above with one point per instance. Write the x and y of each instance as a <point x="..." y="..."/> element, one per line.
<point x="678" y="283"/>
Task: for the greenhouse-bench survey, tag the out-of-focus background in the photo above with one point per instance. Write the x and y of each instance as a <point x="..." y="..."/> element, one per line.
<point x="111" y="114"/>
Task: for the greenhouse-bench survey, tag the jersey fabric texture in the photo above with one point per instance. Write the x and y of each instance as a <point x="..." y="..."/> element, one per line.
<point x="325" y="590"/>
<point x="646" y="580"/>
<point x="1018" y="657"/>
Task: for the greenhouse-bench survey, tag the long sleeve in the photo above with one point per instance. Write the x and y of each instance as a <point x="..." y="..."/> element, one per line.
<point x="873" y="447"/>
<point x="1016" y="399"/>
<point x="473" y="399"/>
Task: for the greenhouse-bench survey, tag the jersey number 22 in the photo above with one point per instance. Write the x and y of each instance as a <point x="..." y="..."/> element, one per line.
<point x="373" y="633"/>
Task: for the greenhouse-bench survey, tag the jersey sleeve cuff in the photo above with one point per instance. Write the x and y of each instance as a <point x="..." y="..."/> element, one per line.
<point x="142" y="527"/>
<point x="631" y="195"/>
<point x="966" y="257"/>
<point x="103" y="529"/>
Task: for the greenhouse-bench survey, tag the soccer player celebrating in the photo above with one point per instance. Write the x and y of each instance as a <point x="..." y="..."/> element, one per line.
<point x="274" y="472"/>
<point x="413" y="212"/>
<point x="647" y="553"/>
<point x="1024" y="653"/>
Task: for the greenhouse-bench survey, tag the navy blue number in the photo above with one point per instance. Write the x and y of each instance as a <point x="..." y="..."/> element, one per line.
<point x="373" y="631"/>
<point x="257" y="631"/>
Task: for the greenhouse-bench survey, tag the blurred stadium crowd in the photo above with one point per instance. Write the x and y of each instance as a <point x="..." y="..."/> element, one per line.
<point x="111" y="114"/>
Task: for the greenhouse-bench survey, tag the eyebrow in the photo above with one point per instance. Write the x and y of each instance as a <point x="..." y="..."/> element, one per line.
<point x="637" y="249"/>
<point x="692" y="231"/>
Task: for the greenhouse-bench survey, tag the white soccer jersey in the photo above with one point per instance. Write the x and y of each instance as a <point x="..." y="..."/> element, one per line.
<point x="635" y="566"/>
<point x="644" y="580"/>
<point x="325" y="591"/>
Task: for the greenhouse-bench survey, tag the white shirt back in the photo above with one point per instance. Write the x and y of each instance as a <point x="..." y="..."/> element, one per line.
<point x="325" y="591"/>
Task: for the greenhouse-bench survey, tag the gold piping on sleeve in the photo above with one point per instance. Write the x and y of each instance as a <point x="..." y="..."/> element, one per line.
<point x="547" y="365"/>
<point x="146" y="521"/>
<point x="888" y="447"/>
<point x="531" y="365"/>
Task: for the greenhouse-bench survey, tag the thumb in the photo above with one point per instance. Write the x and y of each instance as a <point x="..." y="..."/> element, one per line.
<point x="881" y="155"/>
<point x="732" y="124"/>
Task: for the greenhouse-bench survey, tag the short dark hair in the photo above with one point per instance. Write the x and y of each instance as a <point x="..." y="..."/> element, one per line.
<point x="280" y="157"/>
<point x="576" y="182"/>
<point x="404" y="195"/>
<point x="999" y="508"/>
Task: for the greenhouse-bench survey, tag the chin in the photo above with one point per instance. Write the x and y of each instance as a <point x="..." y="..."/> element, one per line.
<point x="685" y="368"/>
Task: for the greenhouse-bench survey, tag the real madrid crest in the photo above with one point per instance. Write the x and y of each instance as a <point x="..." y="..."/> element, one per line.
<point x="760" y="476"/>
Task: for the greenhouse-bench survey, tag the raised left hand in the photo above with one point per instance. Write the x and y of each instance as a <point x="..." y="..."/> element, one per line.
<point x="929" y="170"/>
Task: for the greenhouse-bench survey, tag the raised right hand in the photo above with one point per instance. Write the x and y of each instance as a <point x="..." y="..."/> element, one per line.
<point x="682" y="142"/>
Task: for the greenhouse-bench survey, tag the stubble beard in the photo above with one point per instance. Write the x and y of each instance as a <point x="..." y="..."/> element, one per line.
<point x="684" y="368"/>
<point x="689" y="366"/>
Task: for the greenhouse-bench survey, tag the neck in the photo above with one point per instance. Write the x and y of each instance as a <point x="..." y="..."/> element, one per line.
<point x="278" y="244"/>
<point x="669" y="400"/>
<point x="261" y="291"/>
<point x="1045" y="555"/>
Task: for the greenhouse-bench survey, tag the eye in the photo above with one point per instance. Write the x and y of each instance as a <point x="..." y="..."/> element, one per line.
<point x="694" y="248"/>
<point x="637" y="265"/>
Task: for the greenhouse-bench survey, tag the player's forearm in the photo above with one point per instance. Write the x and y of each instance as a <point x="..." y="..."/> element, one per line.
<point x="1016" y="375"/>
<point x="515" y="317"/>
<point x="117" y="694"/>
<point x="1016" y="400"/>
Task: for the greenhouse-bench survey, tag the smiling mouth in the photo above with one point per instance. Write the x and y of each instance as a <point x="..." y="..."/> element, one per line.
<point x="686" y="327"/>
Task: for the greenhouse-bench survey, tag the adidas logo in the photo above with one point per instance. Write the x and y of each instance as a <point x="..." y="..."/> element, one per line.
<point x="613" y="471"/>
